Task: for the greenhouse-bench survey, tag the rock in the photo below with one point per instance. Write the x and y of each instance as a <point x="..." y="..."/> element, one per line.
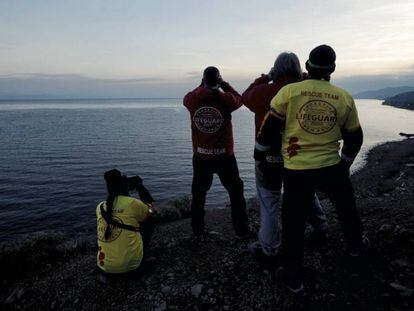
<point x="210" y="291"/>
<point x="386" y="228"/>
<point x="161" y="306"/>
<point x="385" y="186"/>
<point x="196" y="290"/>
<point x="15" y="296"/>
<point x="166" y="290"/>
<point x="226" y="308"/>
<point x="402" y="290"/>
<point x="385" y="297"/>
<point x="400" y="263"/>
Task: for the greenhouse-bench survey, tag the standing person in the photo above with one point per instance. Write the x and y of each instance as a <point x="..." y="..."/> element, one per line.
<point x="210" y="106"/>
<point x="124" y="224"/>
<point x="268" y="172"/>
<point x="316" y="116"/>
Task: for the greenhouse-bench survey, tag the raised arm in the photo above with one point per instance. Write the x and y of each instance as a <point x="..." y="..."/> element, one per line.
<point x="252" y="98"/>
<point x="230" y="96"/>
<point x="186" y="99"/>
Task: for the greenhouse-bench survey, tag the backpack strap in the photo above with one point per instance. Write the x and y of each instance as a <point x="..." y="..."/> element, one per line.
<point x="115" y="223"/>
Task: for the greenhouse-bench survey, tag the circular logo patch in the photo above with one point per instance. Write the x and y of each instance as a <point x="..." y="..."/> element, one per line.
<point x="317" y="117"/>
<point x="208" y="119"/>
<point x="115" y="231"/>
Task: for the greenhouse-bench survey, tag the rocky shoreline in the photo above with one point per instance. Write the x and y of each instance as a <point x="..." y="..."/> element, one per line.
<point x="403" y="100"/>
<point x="218" y="272"/>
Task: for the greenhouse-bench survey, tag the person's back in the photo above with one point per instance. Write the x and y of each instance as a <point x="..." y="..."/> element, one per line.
<point x="210" y="112"/>
<point x="124" y="225"/>
<point x="210" y="106"/>
<point x="268" y="171"/>
<point x="123" y="250"/>
<point x="316" y="114"/>
<point x="258" y="95"/>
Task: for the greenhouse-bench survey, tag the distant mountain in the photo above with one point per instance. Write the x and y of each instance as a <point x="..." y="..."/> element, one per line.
<point x="404" y="100"/>
<point x="383" y="93"/>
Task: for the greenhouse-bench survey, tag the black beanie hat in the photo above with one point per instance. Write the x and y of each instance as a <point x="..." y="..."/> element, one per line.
<point x="211" y="76"/>
<point x="321" y="60"/>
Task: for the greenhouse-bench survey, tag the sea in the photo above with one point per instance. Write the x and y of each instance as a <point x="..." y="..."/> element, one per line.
<point x="53" y="155"/>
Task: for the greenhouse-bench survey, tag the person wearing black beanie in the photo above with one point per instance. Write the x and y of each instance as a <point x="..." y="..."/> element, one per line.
<point x="321" y="62"/>
<point x="315" y="116"/>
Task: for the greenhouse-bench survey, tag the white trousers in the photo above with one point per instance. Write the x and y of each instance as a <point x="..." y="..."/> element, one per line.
<point x="270" y="201"/>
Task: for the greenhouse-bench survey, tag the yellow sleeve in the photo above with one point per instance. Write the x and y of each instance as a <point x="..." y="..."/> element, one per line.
<point x="140" y="210"/>
<point x="352" y="120"/>
<point x="278" y="104"/>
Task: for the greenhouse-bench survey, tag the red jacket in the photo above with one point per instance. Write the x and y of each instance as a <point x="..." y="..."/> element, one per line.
<point x="210" y="112"/>
<point x="258" y="95"/>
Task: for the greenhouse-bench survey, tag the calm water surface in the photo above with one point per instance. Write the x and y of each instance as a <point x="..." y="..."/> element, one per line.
<point x="53" y="155"/>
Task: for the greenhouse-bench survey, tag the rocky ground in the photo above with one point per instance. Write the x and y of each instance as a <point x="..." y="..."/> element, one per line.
<point x="218" y="272"/>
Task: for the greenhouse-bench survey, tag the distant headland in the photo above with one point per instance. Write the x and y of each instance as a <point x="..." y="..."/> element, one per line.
<point x="383" y="93"/>
<point x="400" y="97"/>
<point x="403" y="100"/>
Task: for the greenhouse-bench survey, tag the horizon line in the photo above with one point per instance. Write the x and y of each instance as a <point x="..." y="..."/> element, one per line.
<point x="85" y="98"/>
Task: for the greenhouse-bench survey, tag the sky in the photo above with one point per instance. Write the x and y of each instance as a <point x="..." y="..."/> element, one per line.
<point x="131" y="48"/>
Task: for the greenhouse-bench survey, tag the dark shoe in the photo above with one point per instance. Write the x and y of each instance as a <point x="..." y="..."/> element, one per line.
<point x="292" y="280"/>
<point x="199" y="232"/>
<point x="318" y="238"/>
<point x="205" y="234"/>
<point x="258" y="254"/>
<point x="244" y="235"/>
<point x="243" y="232"/>
<point x="359" y="250"/>
<point x="103" y="279"/>
<point x="255" y="250"/>
<point x="148" y="264"/>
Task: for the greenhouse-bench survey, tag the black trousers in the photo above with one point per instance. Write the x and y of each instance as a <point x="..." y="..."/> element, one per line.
<point x="299" y="187"/>
<point x="228" y="172"/>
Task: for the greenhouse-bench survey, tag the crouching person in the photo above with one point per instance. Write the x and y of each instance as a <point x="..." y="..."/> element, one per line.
<point x="124" y="224"/>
